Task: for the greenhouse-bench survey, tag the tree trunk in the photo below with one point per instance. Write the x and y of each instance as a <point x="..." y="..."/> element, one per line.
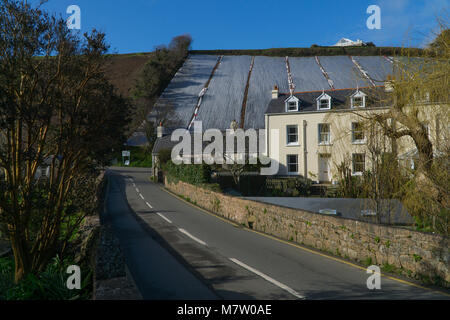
<point x="22" y="259"/>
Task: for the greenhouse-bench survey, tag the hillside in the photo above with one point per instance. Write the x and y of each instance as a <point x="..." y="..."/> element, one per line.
<point x="124" y="69"/>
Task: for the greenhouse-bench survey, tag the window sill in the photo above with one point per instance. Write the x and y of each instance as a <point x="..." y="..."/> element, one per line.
<point x="359" y="142"/>
<point x="357" y="173"/>
<point x="293" y="145"/>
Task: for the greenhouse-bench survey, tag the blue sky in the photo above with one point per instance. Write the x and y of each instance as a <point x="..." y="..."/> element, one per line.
<point x="140" y="25"/>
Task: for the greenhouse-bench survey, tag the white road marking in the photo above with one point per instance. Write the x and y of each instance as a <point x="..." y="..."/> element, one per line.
<point x="266" y="277"/>
<point x="192" y="237"/>
<point x="142" y="197"/>
<point x="162" y="216"/>
<point x="149" y="205"/>
<point x="137" y="190"/>
<point x="134" y="184"/>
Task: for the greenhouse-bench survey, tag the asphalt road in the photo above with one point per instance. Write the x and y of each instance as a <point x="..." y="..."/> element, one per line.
<point x="176" y="251"/>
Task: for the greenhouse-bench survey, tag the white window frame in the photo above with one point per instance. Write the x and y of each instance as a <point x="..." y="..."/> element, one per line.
<point x="358" y="173"/>
<point x="289" y="163"/>
<point x="288" y="101"/>
<point x="322" y="97"/>
<point x="296" y="143"/>
<point x="358" y="94"/>
<point x="357" y="141"/>
<point x="320" y="134"/>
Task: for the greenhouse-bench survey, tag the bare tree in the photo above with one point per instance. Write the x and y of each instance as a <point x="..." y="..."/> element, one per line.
<point x="416" y="126"/>
<point x="57" y="107"/>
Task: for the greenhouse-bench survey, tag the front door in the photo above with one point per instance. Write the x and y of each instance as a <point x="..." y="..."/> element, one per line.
<point x="324" y="167"/>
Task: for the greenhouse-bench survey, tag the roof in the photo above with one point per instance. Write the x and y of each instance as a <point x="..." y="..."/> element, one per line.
<point x="340" y="99"/>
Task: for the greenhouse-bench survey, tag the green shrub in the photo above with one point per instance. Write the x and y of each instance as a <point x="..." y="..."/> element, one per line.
<point x="190" y="173"/>
<point x="368" y="261"/>
<point x="139" y="157"/>
<point x="293" y="187"/>
<point x="47" y="285"/>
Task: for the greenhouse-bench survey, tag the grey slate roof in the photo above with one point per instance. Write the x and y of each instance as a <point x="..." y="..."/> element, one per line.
<point x="340" y="99"/>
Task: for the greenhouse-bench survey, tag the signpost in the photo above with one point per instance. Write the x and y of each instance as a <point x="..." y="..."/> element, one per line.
<point x="126" y="154"/>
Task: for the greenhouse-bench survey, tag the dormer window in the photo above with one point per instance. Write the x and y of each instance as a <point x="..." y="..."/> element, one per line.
<point x="358" y="99"/>
<point x="292" y="104"/>
<point x="324" y="102"/>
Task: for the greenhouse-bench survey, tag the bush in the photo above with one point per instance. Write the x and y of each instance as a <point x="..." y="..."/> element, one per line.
<point x="190" y="173"/>
<point x="140" y="157"/>
<point x="294" y="187"/>
<point x="47" y="285"/>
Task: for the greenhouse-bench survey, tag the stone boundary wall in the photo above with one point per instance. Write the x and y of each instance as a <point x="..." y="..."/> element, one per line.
<point x="414" y="254"/>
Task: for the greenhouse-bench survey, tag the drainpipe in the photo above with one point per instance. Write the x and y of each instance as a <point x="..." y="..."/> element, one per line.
<point x="305" y="151"/>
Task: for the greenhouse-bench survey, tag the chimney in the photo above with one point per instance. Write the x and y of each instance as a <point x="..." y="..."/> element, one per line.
<point x="160" y="130"/>
<point x="275" y="92"/>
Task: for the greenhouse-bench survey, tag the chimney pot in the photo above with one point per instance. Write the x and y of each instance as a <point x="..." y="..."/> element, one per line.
<point x="275" y="92"/>
<point x="160" y="130"/>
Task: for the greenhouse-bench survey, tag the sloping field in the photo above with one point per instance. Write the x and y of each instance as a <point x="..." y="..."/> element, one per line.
<point x="123" y="70"/>
<point x="222" y="102"/>
<point x="267" y="72"/>
<point x="343" y="72"/>
<point x="182" y="92"/>
<point x="307" y="75"/>
<point x="377" y="67"/>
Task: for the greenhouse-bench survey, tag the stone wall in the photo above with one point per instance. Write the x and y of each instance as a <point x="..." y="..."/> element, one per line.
<point x="415" y="254"/>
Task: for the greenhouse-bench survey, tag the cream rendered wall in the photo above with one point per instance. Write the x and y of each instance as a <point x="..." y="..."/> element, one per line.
<point x="341" y="143"/>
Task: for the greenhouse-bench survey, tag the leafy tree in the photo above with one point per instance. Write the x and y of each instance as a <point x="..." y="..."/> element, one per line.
<point x="156" y="75"/>
<point x="57" y="108"/>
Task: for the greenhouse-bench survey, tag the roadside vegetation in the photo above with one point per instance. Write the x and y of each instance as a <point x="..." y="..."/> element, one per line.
<point x="60" y="118"/>
<point x="419" y="115"/>
<point x="154" y="78"/>
<point x="140" y="157"/>
<point x="316" y="50"/>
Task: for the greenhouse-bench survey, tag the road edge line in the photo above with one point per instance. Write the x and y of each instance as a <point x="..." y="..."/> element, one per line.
<point x="406" y="282"/>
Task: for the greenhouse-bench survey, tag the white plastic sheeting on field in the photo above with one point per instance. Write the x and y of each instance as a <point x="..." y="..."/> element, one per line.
<point x="343" y="72"/>
<point x="378" y="68"/>
<point x="267" y="72"/>
<point x="182" y="92"/>
<point x="222" y="103"/>
<point x="306" y="75"/>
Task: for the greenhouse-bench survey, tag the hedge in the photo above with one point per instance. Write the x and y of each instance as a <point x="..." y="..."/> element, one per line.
<point x="189" y="173"/>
